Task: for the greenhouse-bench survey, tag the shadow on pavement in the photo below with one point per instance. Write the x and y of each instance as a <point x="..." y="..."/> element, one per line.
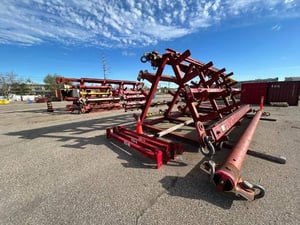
<point x="196" y="185"/>
<point x="75" y="134"/>
<point x="133" y="158"/>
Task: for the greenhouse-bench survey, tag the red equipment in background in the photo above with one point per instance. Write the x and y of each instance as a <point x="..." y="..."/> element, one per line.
<point x="91" y="95"/>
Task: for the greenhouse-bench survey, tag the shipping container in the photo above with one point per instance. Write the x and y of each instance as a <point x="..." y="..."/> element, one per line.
<point x="286" y="91"/>
<point x="252" y="92"/>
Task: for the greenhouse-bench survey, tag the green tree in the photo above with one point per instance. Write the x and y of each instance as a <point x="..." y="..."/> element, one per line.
<point x="163" y="90"/>
<point x="50" y="82"/>
<point x="21" y="88"/>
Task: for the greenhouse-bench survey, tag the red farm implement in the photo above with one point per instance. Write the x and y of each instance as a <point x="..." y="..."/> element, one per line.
<point x="92" y="95"/>
<point x="202" y="98"/>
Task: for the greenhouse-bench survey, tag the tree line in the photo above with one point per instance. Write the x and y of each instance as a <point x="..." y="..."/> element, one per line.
<point x="11" y="83"/>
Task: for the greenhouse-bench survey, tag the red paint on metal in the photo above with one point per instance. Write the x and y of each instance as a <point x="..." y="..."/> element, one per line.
<point x="251" y="92"/>
<point x="219" y="129"/>
<point x="103" y="94"/>
<point x="153" y="88"/>
<point x="239" y="152"/>
<point x="225" y="177"/>
<point x="261" y="105"/>
<point x="213" y="84"/>
<point x="158" y="150"/>
<point x="204" y="93"/>
<point x="229" y="174"/>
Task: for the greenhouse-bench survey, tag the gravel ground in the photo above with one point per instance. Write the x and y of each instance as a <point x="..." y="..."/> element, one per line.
<point x="59" y="168"/>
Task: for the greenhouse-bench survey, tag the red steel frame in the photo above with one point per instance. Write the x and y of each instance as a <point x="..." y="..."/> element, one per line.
<point x="104" y="94"/>
<point x="158" y="150"/>
<point x="201" y="87"/>
<point x="212" y="86"/>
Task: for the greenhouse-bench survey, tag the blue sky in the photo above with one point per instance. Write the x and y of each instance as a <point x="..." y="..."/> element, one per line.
<point x="252" y="38"/>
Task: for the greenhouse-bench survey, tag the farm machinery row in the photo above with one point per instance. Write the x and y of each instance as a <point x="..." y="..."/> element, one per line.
<point x="92" y="95"/>
<point x="204" y="100"/>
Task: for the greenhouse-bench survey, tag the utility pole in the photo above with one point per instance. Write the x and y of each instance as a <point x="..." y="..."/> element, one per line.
<point x="104" y="67"/>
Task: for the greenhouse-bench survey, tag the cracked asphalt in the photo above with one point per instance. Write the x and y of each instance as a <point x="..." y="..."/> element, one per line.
<point x="59" y="168"/>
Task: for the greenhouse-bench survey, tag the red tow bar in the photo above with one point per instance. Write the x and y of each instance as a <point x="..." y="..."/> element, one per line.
<point x="227" y="177"/>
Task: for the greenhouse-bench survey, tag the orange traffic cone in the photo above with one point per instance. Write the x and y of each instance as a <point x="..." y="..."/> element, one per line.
<point x="139" y="127"/>
<point x="49" y="106"/>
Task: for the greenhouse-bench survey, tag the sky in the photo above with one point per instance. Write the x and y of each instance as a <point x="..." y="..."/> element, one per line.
<point x="254" y="39"/>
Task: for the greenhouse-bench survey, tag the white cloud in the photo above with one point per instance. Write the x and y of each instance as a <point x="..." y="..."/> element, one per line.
<point x="276" y="27"/>
<point x="127" y="53"/>
<point x="216" y="5"/>
<point x="123" y="23"/>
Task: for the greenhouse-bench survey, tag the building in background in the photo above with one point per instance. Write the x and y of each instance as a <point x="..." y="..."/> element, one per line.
<point x="30" y="92"/>
<point x="292" y="78"/>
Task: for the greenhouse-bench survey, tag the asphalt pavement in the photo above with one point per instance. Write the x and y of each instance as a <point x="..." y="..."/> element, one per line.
<point x="59" y="168"/>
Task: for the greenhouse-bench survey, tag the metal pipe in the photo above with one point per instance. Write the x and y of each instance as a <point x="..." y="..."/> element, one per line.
<point x="227" y="177"/>
<point x="273" y="158"/>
